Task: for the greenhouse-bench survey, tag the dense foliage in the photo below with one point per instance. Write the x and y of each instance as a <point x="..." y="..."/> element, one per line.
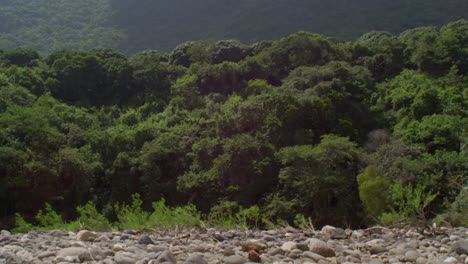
<point x="131" y="26"/>
<point x="346" y="133"/>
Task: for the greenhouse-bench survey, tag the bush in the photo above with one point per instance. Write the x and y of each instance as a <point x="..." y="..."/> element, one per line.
<point x="409" y="202"/>
<point x="456" y="215"/>
<point x="48" y="219"/>
<point x="163" y="217"/>
<point x="90" y="218"/>
<point x="373" y="192"/>
<point x="231" y="216"/>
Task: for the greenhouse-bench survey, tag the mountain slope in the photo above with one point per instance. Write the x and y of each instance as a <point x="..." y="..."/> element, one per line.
<point x="128" y="25"/>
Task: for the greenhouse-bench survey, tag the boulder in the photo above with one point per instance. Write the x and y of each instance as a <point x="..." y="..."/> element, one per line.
<point x="321" y="248"/>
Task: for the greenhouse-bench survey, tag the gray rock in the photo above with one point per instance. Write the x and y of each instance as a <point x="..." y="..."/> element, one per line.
<point x="312" y="255"/>
<point x="235" y="259"/>
<point x="145" y="240"/>
<point x="338" y="233"/>
<point x="120" y="259"/>
<point x="288" y="246"/>
<point x="276" y="251"/>
<point x="460" y="247"/>
<point x="46" y="254"/>
<point x="72" y="252"/>
<point x="5" y="233"/>
<point x="412" y="255"/>
<point x="195" y="259"/>
<point x="85" y="235"/>
<point x="166" y="256"/>
<point x="9" y="258"/>
<point x="321" y="248"/>
<point x="57" y="233"/>
<point x="377" y="250"/>
<point x="421" y="260"/>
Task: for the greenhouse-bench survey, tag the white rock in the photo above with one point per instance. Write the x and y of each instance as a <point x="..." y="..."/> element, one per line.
<point x="5" y="233"/>
<point x="72" y="251"/>
<point x="78" y="244"/>
<point x="118" y="247"/>
<point x="25" y="255"/>
<point x="451" y="260"/>
<point x="288" y="246"/>
<point x="376" y="242"/>
<point x="85" y="235"/>
<point x="328" y="229"/>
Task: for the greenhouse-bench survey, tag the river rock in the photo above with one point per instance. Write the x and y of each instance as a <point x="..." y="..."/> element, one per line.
<point x="85" y="235"/>
<point x="321" y="248"/>
<point x="460" y="247"/>
<point x="252" y="245"/>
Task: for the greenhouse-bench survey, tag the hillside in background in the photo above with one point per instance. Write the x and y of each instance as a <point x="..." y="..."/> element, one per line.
<point x="346" y="133"/>
<point x="130" y="26"/>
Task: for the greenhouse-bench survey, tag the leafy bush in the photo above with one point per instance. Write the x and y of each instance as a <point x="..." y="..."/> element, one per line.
<point x="373" y="192"/>
<point x="231" y="216"/>
<point x="456" y="215"/>
<point x="132" y="216"/>
<point x="90" y="218"/>
<point x="409" y="202"/>
<point x="47" y="219"/>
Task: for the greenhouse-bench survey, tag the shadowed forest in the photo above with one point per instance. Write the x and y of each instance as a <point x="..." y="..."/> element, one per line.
<point x="346" y="133"/>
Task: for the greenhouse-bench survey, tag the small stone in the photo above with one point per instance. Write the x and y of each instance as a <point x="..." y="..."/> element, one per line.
<point x="102" y="238"/>
<point x="377" y="250"/>
<point x="421" y="260"/>
<point x="312" y="255"/>
<point x="228" y="252"/>
<point x="451" y="260"/>
<point x="5" y="233"/>
<point x="254" y="256"/>
<point x="288" y="246"/>
<point x="376" y="243"/>
<point x="195" y="259"/>
<point x="328" y="229"/>
<point x="57" y="233"/>
<point x="302" y="246"/>
<point x="444" y="250"/>
<point x="154" y="248"/>
<point x="71" y="251"/>
<point x="321" y="248"/>
<point x="145" y="240"/>
<point x="252" y="245"/>
<point x="412" y="255"/>
<point x="295" y="254"/>
<point x="338" y="233"/>
<point x="167" y="256"/>
<point x="276" y="251"/>
<point x="85" y="235"/>
<point x="121" y="259"/>
<point x="45" y="255"/>
<point x="78" y="244"/>
<point x="118" y="247"/>
<point x="235" y="259"/>
<point x="460" y="247"/>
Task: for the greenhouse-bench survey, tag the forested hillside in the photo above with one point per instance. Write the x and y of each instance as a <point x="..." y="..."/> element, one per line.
<point x="347" y="133"/>
<point x="131" y="26"/>
<point x="48" y="25"/>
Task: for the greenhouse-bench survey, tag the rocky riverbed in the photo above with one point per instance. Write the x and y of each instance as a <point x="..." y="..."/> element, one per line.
<point x="329" y="245"/>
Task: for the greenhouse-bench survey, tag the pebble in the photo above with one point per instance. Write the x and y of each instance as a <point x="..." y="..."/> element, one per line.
<point x="283" y="246"/>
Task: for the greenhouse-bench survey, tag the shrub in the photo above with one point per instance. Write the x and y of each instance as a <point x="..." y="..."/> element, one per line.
<point x="373" y="192"/>
<point x="409" y="202"/>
